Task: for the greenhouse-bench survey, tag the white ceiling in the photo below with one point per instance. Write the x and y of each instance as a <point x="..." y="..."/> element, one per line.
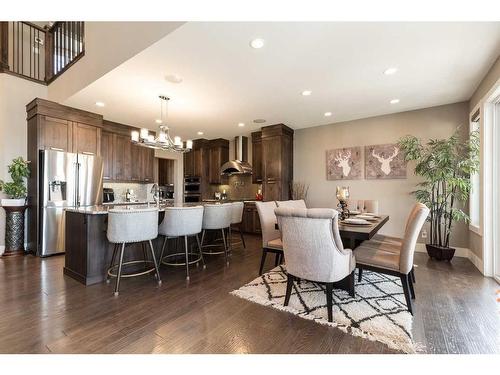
<point x="225" y="81"/>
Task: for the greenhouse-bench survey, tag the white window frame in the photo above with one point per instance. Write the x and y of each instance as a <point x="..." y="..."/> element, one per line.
<point x="475" y="196"/>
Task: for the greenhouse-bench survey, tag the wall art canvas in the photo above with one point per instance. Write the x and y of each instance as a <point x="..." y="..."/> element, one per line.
<point x="343" y="164"/>
<point x="384" y="162"/>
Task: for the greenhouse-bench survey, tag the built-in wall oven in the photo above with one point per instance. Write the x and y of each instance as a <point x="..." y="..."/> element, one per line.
<point x="192" y="189"/>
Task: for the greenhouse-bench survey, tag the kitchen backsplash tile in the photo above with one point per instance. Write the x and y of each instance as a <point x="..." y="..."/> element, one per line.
<point x="141" y="191"/>
<point x="238" y="187"/>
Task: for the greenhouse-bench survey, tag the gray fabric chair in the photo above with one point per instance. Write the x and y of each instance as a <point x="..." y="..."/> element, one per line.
<point x="299" y="203"/>
<point x="182" y="222"/>
<point x="375" y="257"/>
<point x="216" y="217"/>
<point x="127" y="227"/>
<point x="313" y="250"/>
<point x="236" y="220"/>
<point x="271" y="237"/>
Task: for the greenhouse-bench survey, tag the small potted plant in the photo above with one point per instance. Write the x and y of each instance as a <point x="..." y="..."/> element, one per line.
<point x="16" y="190"/>
<point x="446" y="166"/>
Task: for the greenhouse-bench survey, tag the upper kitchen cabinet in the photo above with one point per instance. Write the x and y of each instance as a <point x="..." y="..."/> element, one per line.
<point x="122" y="158"/>
<point x="107" y="141"/>
<point x="147" y="164"/>
<point x="257" y="157"/>
<point x="189" y="164"/>
<point x="166" y="174"/>
<point x="218" y="155"/>
<point x="52" y="126"/>
<point x="277" y="162"/>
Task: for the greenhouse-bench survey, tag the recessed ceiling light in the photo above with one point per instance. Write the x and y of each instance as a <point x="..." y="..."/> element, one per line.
<point x="200" y="133"/>
<point x="174" y="78"/>
<point x="390" y="71"/>
<point x="158" y="121"/>
<point x="259" y="121"/>
<point x="241" y="124"/>
<point x="257" y="43"/>
<point x="306" y="92"/>
<point x="328" y="114"/>
<point x="394" y="101"/>
<point x="100" y="104"/>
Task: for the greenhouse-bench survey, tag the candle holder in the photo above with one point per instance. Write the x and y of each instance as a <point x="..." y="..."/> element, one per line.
<point x="342" y="196"/>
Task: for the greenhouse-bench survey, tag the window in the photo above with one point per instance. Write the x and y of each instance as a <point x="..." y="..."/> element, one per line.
<point x="475" y="194"/>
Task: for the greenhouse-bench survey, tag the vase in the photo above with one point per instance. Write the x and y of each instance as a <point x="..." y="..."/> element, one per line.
<point x="14" y="228"/>
<point x="439" y="252"/>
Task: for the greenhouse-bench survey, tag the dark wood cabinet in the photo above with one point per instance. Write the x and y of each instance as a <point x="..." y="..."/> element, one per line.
<point x="147" y="164"/>
<point x="189" y="164"/>
<point x="218" y="155"/>
<point x="251" y="221"/>
<point x="107" y="155"/>
<point x="257" y="157"/>
<point x="86" y="139"/>
<point x="55" y="134"/>
<point x="166" y="171"/>
<point x="122" y="154"/>
<point x="277" y="162"/>
<point x="135" y="163"/>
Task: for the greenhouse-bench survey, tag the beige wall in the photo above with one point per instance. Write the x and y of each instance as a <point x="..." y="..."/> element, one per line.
<point x="15" y="93"/>
<point x="393" y="195"/>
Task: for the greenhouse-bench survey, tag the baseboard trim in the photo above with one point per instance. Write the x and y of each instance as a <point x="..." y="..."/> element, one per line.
<point x="2" y="249"/>
<point x="478" y="263"/>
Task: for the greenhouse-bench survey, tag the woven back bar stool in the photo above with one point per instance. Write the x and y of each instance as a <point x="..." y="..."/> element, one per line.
<point x="128" y="227"/>
<point x="182" y="222"/>
<point x="216" y="217"/>
<point x="236" y="223"/>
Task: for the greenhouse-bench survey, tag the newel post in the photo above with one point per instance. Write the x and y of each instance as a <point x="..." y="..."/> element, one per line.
<point x="4" y="46"/>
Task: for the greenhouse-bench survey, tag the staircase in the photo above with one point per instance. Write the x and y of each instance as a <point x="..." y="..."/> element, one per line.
<point x="37" y="53"/>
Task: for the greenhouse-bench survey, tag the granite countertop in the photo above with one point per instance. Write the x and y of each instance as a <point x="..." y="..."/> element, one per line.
<point x="103" y="209"/>
<point x="229" y="200"/>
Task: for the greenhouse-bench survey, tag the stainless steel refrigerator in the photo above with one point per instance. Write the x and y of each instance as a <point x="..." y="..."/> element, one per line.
<point x="66" y="180"/>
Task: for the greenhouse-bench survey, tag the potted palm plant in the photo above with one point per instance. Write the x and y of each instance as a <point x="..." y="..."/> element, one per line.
<point x="445" y="166"/>
<point x="14" y="206"/>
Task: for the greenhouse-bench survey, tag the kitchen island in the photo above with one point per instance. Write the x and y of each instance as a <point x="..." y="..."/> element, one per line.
<point x="88" y="252"/>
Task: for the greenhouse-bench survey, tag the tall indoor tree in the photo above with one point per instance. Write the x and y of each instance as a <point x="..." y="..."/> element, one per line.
<point x="445" y="166"/>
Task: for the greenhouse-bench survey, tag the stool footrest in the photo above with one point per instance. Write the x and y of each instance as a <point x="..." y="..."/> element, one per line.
<point x="149" y="270"/>
<point x="198" y="259"/>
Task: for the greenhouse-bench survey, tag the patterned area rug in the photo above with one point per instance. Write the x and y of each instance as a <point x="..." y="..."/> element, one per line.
<point x="378" y="311"/>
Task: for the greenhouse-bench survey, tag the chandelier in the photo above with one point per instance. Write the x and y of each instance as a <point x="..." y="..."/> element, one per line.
<point x="162" y="141"/>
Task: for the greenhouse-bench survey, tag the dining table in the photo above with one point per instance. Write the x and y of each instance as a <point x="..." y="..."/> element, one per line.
<point x="354" y="234"/>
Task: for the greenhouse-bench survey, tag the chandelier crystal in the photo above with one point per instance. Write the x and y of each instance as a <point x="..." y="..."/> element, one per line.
<point x="162" y="141"/>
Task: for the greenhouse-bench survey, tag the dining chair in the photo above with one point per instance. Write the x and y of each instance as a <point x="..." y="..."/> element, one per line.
<point x="376" y="258"/>
<point x="370" y="206"/>
<point x="182" y="222"/>
<point x="271" y="237"/>
<point x="127" y="227"/>
<point x="298" y="203"/>
<point x="216" y="218"/>
<point x="314" y="252"/>
<point x="236" y="223"/>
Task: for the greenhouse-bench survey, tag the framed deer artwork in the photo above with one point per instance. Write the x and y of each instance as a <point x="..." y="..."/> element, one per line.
<point x="343" y="164"/>
<point x="384" y="162"/>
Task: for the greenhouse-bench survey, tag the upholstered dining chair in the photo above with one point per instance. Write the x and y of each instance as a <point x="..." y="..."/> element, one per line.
<point x="376" y="257"/>
<point x="271" y="237"/>
<point x="299" y="203"/>
<point x="128" y="227"/>
<point x="363" y="205"/>
<point x="314" y="252"/>
<point x="182" y="222"/>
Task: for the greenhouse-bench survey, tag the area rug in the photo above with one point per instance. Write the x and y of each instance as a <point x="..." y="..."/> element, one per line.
<point x="377" y="312"/>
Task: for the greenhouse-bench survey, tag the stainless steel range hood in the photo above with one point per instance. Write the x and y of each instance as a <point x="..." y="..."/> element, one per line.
<point x="240" y="164"/>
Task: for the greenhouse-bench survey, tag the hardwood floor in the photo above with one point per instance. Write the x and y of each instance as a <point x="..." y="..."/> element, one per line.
<point x="42" y="311"/>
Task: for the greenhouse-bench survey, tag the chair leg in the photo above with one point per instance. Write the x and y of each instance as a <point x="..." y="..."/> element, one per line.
<point x="163" y="248"/>
<point x="187" y="257"/>
<point x="155" y="262"/>
<point x="410" y="284"/>
<point x="413" y="275"/>
<point x="119" y="275"/>
<point x="225" y="247"/>
<point x="144" y="255"/>
<point x="289" y="285"/>
<point x="351" y="284"/>
<point x="230" y="240"/>
<point x="241" y="235"/>
<point x="115" y="249"/>
<point x="277" y="260"/>
<point x="329" y="301"/>
<point x="360" y="274"/>
<point x="262" y="260"/>
<point x="202" y="237"/>
<point x="406" y="289"/>
<point x="201" y="253"/>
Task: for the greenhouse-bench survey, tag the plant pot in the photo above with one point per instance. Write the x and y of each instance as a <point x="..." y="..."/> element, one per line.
<point x="13" y="202"/>
<point x="439" y="252"/>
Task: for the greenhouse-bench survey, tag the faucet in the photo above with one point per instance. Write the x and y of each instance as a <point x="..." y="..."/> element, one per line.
<point x="155" y="190"/>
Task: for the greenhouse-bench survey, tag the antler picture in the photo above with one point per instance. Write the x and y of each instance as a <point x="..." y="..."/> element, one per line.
<point x="384" y="162"/>
<point x="343" y="164"/>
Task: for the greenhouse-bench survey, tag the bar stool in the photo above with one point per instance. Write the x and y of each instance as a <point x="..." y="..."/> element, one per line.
<point x="236" y="221"/>
<point x="127" y="227"/>
<point x="182" y="222"/>
<point x="216" y="217"/>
